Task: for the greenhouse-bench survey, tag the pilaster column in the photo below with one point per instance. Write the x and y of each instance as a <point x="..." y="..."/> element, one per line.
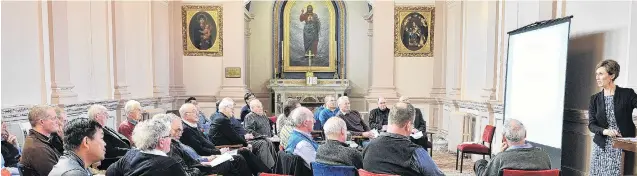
<point x="247" y="17"/>
<point x="233" y="51"/>
<point x="453" y="50"/>
<point x="382" y="76"/>
<point x="438" y="87"/>
<point x="176" y="65"/>
<point x="119" y="50"/>
<point x="492" y="54"/>
<point x="160" y="27"/>
<point x="61" y="86"/>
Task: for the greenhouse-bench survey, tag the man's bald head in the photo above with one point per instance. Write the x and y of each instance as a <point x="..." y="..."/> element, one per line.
<point x="382" y="103"/>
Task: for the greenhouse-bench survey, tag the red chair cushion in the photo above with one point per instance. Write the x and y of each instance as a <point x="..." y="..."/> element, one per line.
<point x="474" y="148"/>
<point x="363" y="172"/>
<point x="509" y="172"/>
<point x="273" y="119"/>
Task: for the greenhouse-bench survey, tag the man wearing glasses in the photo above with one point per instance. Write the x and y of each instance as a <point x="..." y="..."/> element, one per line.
<point x="117" y="144"/>
<point x="39" y="155"/>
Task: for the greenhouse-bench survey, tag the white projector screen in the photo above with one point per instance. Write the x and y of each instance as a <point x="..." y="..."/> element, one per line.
<point x="535" y="83"/>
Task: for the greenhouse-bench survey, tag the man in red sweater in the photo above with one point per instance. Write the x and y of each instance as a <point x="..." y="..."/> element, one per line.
<point x="133" y="111"/>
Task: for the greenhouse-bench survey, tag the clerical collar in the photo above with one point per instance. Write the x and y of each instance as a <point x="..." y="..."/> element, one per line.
<point x="154" y="152"/>
<point x="131" y="121"/>
<point x="194" y="125"/>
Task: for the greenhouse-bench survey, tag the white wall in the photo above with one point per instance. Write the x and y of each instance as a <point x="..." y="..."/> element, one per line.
<point x="22" y="54"/>
<point x="138" y="43"/>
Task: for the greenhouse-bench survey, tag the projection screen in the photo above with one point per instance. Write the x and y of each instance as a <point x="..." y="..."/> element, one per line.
<point x="535" y="82"/>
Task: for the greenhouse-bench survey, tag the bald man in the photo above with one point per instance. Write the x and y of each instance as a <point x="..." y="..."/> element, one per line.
<point x="378" y="116"/>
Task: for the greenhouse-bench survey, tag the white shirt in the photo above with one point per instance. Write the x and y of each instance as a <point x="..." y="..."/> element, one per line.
<point x="194" y="125"/>
<point x="154" y="152"/>
<point x="305" y="150"/>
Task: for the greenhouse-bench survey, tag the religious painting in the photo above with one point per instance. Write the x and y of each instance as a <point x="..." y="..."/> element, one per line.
<point x="202" y="30"/>
<point x="413" y="31"/>
<point x="309" y="36"/>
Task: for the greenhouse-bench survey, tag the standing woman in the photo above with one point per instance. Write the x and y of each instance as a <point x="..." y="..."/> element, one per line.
<point x="609" y="115"/>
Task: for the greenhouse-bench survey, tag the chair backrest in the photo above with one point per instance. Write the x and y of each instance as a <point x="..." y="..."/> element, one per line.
<point x="320" y="169"/>
<point x="487" y="135"/>
<point x="362" y="172"/>
<point x="269" y="174"/>
<point x="512" y="172"/>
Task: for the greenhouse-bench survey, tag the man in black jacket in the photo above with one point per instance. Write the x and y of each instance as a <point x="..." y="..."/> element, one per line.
<point x="194" y="138"/>
<point x="378" y="116"/>
<point x="419" y="125"/>
<point x="117" y="144"/>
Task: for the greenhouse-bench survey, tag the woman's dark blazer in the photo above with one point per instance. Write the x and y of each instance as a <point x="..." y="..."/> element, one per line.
<point x="625" y="100"/>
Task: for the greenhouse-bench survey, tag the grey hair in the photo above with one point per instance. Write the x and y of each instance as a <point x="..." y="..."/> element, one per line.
<point x="401" y="114"/>
<point x="184" y="109"/>
<point x="147" y="134"/>
<point x="300" y="115"/>
<point x="514" y="130"/>
<point x="38" y="112"/>
<point x="166" y="118"/>
<point x="131" y="105"/>
<point x="226" y="102"/>
<point x="334" y="126"/>
<point x="341" y="100"/>
<point x="95" y="109"/>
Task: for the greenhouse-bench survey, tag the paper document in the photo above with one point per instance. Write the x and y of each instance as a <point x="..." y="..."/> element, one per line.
<point x="220" y="159"/>
<point x="417" y="135"/>
<point x="629" y="139"/>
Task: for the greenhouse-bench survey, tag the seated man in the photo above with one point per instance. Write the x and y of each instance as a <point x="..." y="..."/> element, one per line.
<point x="330" y="110"/>
<point x="515" y="154"/>
<point x="204" y="122"/>
<point x="118" y="144"/>
<point x="83" y="144"/>
<point x="419" y="125"/>
<point x="152" y="138"/>
<point x="258" y="126"/>
<point x="133" y="111"/>
<point x="378" y="116"/>
<point x="394" y="153"/>
<point x="236" y="124"/>
<point x="335" y="151"/>
<point x="193" y="166"/>
<point x="195" y="139"/>
<point x="301" y="142"/>
<point x="39" y="155"/>
<point x="10" y="151"/>
<point x="355" y="124"/>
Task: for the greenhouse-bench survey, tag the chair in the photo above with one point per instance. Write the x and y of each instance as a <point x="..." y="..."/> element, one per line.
<point x="269" y="174"/>
<point x="320" y="169"/>
<point x="362" y="172"/>
<point x="511" y="172"/>
<point x="474" y="148"/>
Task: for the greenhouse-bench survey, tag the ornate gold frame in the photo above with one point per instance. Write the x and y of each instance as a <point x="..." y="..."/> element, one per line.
<point x="286" y="42"/>
<point x="216" y="11"/>
<point x="399" y="49"/>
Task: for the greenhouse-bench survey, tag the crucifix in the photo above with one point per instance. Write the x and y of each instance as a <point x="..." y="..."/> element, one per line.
<point x="310" y="79"/>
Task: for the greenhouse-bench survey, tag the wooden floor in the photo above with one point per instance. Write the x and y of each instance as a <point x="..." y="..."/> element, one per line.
<point x="447" y="163"/>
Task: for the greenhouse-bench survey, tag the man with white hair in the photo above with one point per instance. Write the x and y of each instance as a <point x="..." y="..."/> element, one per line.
<point x="38" y="154"/>
<point x="300" y="142"/>
<point x="118" y="144"/>
<point x="133" y="111"/>
<point x="335" y="151"/>
<point x="515" y="153"/>
<point x="258" y="125"/>
<point x="355" y="124"/>
<point x="152" y="138"/>
<point x="393" y="152"/>
<point x="330" y="109"/>
<point x="221" y="130"/>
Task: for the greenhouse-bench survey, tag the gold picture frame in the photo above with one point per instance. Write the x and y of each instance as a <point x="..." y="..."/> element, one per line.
<point x="414" y="31"/>
<point x="202" y="30"/>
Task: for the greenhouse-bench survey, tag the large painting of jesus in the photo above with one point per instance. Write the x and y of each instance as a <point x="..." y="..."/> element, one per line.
<point x="309" y="36"/>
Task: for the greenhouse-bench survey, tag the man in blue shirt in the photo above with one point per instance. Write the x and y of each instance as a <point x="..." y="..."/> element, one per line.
<point x="317" y="113"/>
<point x="394" y="153"/>
<point x="330" y="110"/>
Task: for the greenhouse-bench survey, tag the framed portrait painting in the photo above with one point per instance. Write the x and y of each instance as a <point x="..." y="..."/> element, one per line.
<point x="413" y="31"/>
<point x="202" y="30"/>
